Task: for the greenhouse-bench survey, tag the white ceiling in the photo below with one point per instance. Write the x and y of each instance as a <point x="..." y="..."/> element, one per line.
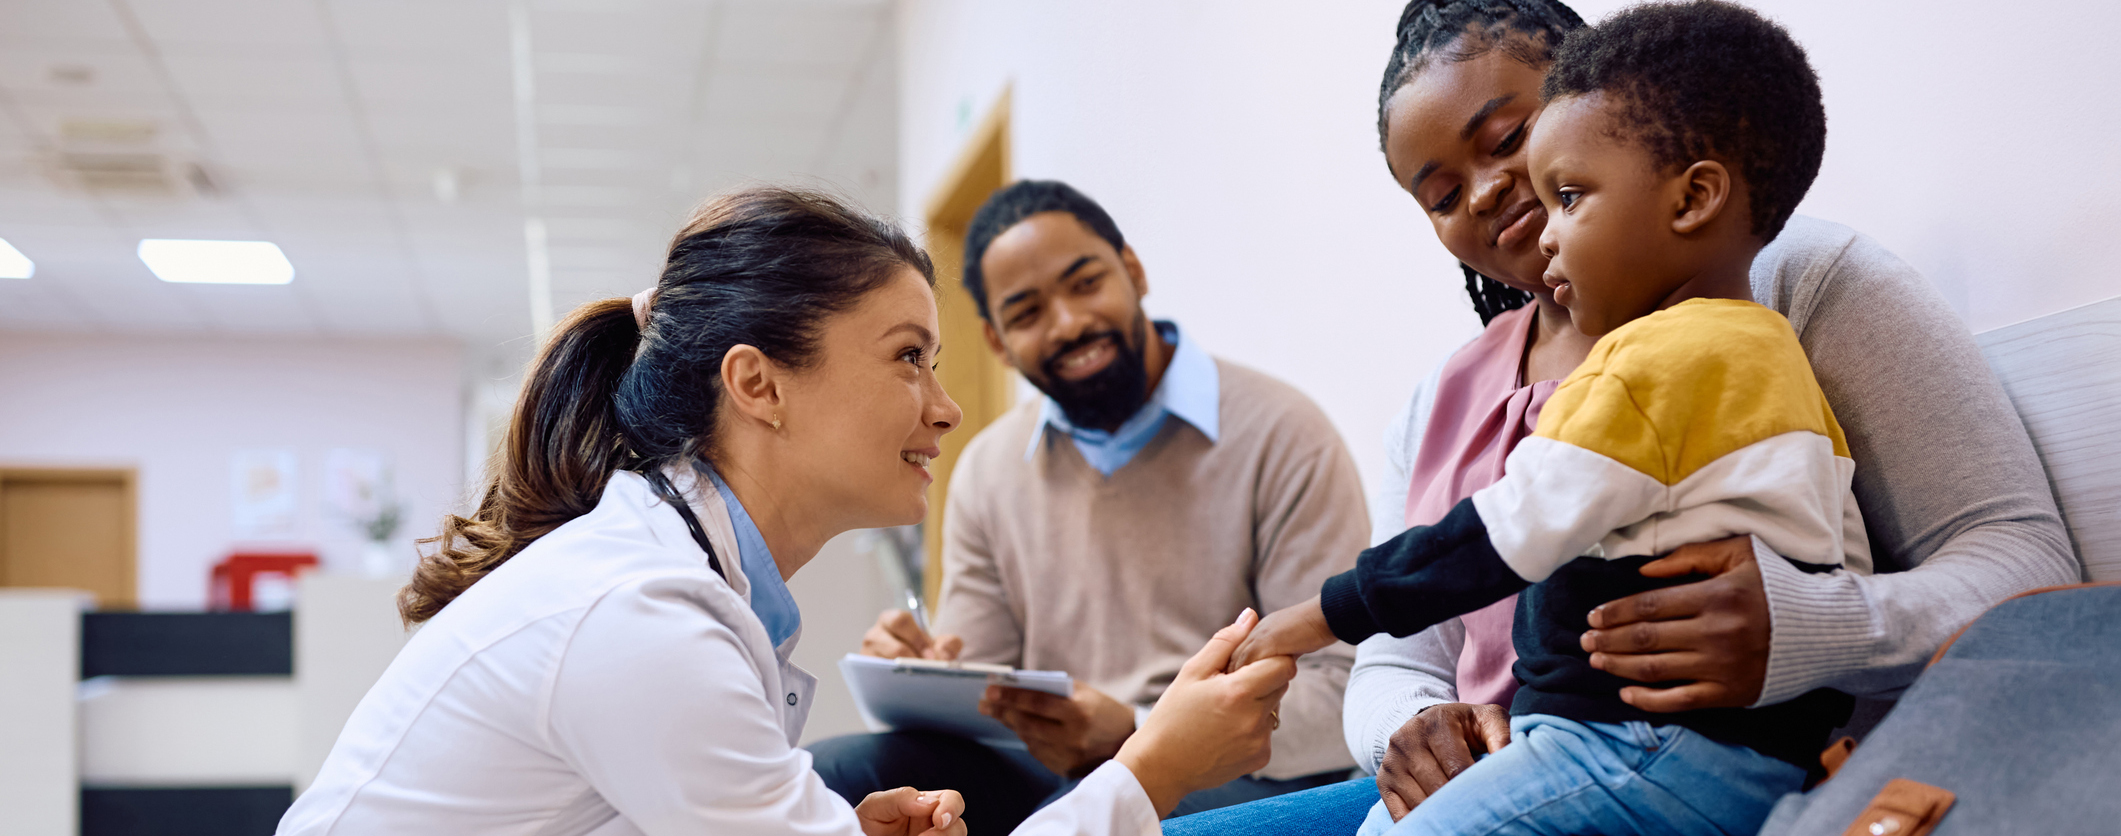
<point x="334" y="127"/>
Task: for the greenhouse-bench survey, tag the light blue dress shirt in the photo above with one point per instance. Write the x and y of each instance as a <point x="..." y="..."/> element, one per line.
<point x="1191" y="389"/>
<point x="770" y="598"/>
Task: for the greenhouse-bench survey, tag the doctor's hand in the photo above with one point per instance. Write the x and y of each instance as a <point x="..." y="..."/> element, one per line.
<point x="1291" y="631"/>
<point x="1070" y="735"/>
<point x="1713" y="634"/>
<point x="1210" y="727"/>
<point x="909" y="812"/>
<point x="896" y="635"/>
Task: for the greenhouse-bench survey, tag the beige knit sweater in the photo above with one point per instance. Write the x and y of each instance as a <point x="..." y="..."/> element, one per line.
<point x="1050" y="565"/>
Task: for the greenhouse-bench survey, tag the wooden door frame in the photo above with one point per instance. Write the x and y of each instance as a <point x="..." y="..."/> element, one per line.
<point x="980" y="382"/>
<point x="129" y="477"/>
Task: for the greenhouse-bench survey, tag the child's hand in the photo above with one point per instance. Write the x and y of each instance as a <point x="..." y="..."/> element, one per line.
<point x="1293" y="631"/>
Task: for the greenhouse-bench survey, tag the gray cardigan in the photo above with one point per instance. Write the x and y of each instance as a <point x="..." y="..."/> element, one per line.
<point x="1959" y="512"/>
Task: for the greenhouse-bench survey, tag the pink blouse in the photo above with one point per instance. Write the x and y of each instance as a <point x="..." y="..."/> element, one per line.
<point x="1480" y="411"/>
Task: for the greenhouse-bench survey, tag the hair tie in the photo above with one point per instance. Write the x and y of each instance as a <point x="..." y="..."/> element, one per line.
<point x="641" y="301"/>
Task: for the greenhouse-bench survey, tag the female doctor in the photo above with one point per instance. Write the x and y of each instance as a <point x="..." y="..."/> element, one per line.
<point x="607" y="635"/>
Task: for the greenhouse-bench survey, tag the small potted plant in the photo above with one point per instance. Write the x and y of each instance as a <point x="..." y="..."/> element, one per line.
<point x="377" y="560"/>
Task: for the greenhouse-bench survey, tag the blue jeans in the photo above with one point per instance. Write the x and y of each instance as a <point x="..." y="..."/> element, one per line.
<point x="1001" y="786"/>
<point x="1564" y="777"/>
<point x="1331" y="810"/>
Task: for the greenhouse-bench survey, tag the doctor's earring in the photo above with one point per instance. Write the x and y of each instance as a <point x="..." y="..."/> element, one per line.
<point x="776" y="421"/>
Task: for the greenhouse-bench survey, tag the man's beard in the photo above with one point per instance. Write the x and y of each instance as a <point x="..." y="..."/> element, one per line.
<point x="1104" y="400"/>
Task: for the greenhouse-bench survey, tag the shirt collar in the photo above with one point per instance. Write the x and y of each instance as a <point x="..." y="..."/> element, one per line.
<point x="770" y="599"/>
<point x="1190" y="389"/>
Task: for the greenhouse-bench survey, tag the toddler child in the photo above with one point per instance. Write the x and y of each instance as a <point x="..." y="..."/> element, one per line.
<point x="1675" y="143"/>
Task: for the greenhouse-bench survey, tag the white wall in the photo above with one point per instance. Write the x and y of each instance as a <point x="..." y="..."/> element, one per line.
<point x="1236" y="145"/>
<point x="177" y="408"/>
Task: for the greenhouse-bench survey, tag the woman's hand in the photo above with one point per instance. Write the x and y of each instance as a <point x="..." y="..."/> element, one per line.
<point x="1291" y="631"/>
<point x="909" y="812"/>
<point x="1210" y="726"/>
<point x="1433" y="747"/>
<point x="1713" y="633"/>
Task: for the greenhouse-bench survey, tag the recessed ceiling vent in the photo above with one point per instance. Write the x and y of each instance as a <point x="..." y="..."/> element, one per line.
<point x="120" y="158"/>
<point x="123" y="173"/>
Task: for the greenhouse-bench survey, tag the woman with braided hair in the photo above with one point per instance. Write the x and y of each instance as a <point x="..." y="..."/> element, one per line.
<point x="1950" y="535"/>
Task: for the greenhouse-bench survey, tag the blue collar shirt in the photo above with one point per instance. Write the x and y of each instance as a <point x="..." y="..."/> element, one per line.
<point x="1191" y="389"/>
<point x="770" y="598"/>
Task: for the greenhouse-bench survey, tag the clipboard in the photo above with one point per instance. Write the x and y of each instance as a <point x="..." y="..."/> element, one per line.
<point x="926" y="695"/>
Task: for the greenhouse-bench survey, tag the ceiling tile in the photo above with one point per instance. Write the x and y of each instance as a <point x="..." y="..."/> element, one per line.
<point x="479" y="130"/>
<point x="46" y="206"/>
<point x="596" y="159"/>
<point x="202" y="219"/>
<point x="255" y="309"/>
<point x="669" y="90"/>
<point x="255" y="153"/>
<point x="55" y="23"/>
<point x="591" y="197"/>
<point x="676" y="30"/>
<point x="321" y="123"/>
<point x="320" y="176"/>
<point x="369" y="298"/>
<point x="643" y="108"/>
<point x="428" y="82"/>
<point x="219" y="23"/>
<point x="148" y="305"/>
<point x="237" y="81"/>
<point x="604" y="115"/>
<point x="815" y="35"/>
<point x="587" y="257"/>
<point x="553" y="64"/>
<point x="327" y="218"/>
<point x="28" y="71"/>
<point x="750" y="92"/>
<point x="398" y="27"/>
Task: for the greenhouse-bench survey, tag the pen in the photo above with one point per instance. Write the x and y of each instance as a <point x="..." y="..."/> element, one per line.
<point x="913" y="602"/>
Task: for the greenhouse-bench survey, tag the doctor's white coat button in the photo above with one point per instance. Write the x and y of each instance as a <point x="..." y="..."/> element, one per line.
<point x="791" y="699"/>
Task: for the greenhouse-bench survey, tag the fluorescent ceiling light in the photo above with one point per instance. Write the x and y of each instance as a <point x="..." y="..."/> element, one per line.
<point x="13" y="264"/>
<point x="216" y="262"/>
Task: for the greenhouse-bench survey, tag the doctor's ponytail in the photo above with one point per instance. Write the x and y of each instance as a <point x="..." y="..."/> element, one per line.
<point x="760" y="267"/>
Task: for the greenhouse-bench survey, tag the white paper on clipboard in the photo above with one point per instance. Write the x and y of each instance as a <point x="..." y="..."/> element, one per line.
<point x="920" y="695"/>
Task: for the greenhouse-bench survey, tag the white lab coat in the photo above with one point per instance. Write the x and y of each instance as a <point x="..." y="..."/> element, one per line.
<point x="606" y="681"/>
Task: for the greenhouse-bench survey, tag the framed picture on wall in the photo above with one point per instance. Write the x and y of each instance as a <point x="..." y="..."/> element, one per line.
<point x="266" y="493"/>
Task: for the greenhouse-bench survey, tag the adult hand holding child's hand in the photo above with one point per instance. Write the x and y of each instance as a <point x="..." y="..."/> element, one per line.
<point x="1210" y="726"/>
<point x="1291" y="631"/>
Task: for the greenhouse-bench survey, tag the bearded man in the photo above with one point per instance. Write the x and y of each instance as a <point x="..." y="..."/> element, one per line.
<point x="1109" y="528"/>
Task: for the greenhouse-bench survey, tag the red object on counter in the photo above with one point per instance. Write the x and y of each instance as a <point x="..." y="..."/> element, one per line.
<point x="235" y="578"/>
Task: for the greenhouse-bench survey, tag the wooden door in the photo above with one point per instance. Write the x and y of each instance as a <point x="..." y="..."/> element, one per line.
<point x="69" y="528"/>
<point x="980" y="382"/>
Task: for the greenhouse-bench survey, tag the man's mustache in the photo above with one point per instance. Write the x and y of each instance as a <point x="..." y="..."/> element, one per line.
<point x="1051" y="365"/>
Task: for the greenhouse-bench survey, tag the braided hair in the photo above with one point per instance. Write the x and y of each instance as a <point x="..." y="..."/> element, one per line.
<point x="1428" y="29"/>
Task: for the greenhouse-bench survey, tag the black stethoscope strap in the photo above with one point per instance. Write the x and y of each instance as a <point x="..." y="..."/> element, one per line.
<point x="662" y="487"/>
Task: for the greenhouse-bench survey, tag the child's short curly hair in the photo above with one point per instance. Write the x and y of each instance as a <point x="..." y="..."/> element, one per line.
<point x="1701" y="79"/>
